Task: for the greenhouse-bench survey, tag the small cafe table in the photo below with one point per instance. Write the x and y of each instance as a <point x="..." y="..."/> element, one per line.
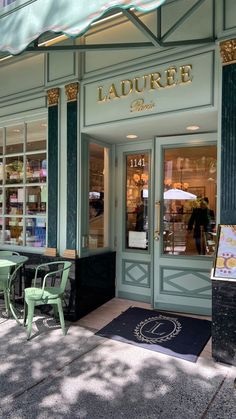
<point x="17" y="261"/>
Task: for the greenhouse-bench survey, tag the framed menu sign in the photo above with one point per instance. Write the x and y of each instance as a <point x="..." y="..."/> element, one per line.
<point x="224" y="266"/>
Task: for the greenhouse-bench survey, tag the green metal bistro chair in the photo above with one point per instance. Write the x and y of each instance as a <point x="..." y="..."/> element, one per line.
<point x="35" y="296"/>
<point x="5" y="273"/>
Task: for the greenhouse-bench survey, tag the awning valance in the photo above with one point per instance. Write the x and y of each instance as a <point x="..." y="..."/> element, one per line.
<point x="21" y="26"/>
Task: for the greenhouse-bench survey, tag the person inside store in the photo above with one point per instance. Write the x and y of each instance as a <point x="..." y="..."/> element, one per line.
<point x="200" y="223"/>
<point x="139" y="226"/>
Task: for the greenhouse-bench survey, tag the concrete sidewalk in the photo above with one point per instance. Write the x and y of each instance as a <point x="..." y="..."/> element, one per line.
<point x="85" y="376"/>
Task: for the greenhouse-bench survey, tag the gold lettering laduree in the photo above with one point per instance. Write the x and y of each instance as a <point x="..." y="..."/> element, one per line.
<point x="157" y="80"/>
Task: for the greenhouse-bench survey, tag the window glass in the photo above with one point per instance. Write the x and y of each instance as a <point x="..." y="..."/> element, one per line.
<point x="1" y="211"/>
<point x="137" y="200"/>
<point x="36" y="232"/>
<point x="36" y="200"/>
<point x="1" y="141"/>
<point x="14" y="200"/>
<point x="1" y="171"/>
<point x="36" y="136"/>
<point x="190" y="190"/>
<point x="14" y="169"/>
<point x="98" y="196"/>
<point x="23" y="185"/>
<point x="14" y="231"/>
<point x="36" y="168"/>
<point x="14" y="139"/>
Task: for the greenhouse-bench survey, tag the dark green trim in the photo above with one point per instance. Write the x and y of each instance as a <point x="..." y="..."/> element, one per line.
<point x="71" y="231"/>
<point x="228" y="146"/>
<point x="52" y="175"/>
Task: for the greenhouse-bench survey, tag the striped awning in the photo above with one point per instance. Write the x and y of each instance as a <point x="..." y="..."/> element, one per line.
<point x="24" y="21"/>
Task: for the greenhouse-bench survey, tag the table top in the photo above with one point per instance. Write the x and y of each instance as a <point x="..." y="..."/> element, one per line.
<point x="11" y="260"/>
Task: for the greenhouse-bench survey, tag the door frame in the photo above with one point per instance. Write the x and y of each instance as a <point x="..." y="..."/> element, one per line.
<point x="83" y="209"/>
<point x="140" y="259"/>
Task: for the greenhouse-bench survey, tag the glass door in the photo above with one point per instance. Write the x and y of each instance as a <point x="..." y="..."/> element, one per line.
<point x="186" y="208"/>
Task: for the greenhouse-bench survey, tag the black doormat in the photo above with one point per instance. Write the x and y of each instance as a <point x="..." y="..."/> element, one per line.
<point x="179" y="336"/>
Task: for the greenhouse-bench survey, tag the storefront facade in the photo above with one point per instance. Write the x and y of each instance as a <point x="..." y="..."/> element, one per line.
<point x="76" y="184"/>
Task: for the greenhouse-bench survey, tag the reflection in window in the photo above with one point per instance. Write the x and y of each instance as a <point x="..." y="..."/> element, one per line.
<point x="98" y="196"/>
<point x="190" y="191"/>
<point x="137" y="176"/>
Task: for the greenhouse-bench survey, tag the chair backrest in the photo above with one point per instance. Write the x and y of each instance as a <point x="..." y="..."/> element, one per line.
<point x="65" y="276"/>
<point x="62" y="270"/>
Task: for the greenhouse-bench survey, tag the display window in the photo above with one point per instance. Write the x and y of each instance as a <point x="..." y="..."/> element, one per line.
<point x="23" y="184"/>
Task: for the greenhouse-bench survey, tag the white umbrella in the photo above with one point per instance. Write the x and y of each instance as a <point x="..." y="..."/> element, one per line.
<point x="178" y="194"/>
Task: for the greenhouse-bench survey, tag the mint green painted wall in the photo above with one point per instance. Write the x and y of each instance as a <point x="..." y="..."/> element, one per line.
<point x="123" y="31"/>
<point x="25" y="79"/>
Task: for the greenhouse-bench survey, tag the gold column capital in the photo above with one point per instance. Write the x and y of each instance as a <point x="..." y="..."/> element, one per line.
<point x="72" y="91"/>
<point x="53" y="96"/>
<point x="228" y="51"/>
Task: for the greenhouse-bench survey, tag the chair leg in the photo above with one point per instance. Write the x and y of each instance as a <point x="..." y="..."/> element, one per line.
<point x="55" y="311"/>
<point x="25" y="314"/>
<point x="61" y="316"/>
<point x="30" y="318"/>
<point x="6" y="301"/>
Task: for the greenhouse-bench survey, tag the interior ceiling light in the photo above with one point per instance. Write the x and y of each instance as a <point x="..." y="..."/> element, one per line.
<point x="53" y="41"/>
<point x="6" y="58"/>
<point x="131" y="136"/>
<point x="109" y="17"/>
<point x="192" y="128"/>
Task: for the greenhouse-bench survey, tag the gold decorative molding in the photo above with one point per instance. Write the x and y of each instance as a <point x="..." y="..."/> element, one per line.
<point x="50" y="251"/>
<point x="72" y="91"/>
<point x="228" y="51"/>
<point x="70" y="254"/>
<point x="53" y="96"/>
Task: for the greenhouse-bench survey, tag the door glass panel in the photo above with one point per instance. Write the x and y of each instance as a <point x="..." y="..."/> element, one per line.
<point x="137" y="188"/>
<point x="98" y="196"/>
<point x="190" y="190"/>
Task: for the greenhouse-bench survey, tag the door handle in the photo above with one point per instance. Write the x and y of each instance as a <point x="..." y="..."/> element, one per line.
<point x="158" y="220"/>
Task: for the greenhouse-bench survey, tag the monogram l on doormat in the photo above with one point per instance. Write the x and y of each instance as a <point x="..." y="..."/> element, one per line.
<point x="179" y="336"/>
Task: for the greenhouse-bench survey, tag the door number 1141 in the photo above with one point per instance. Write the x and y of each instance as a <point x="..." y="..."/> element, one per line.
<point x="137" y="162"/>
